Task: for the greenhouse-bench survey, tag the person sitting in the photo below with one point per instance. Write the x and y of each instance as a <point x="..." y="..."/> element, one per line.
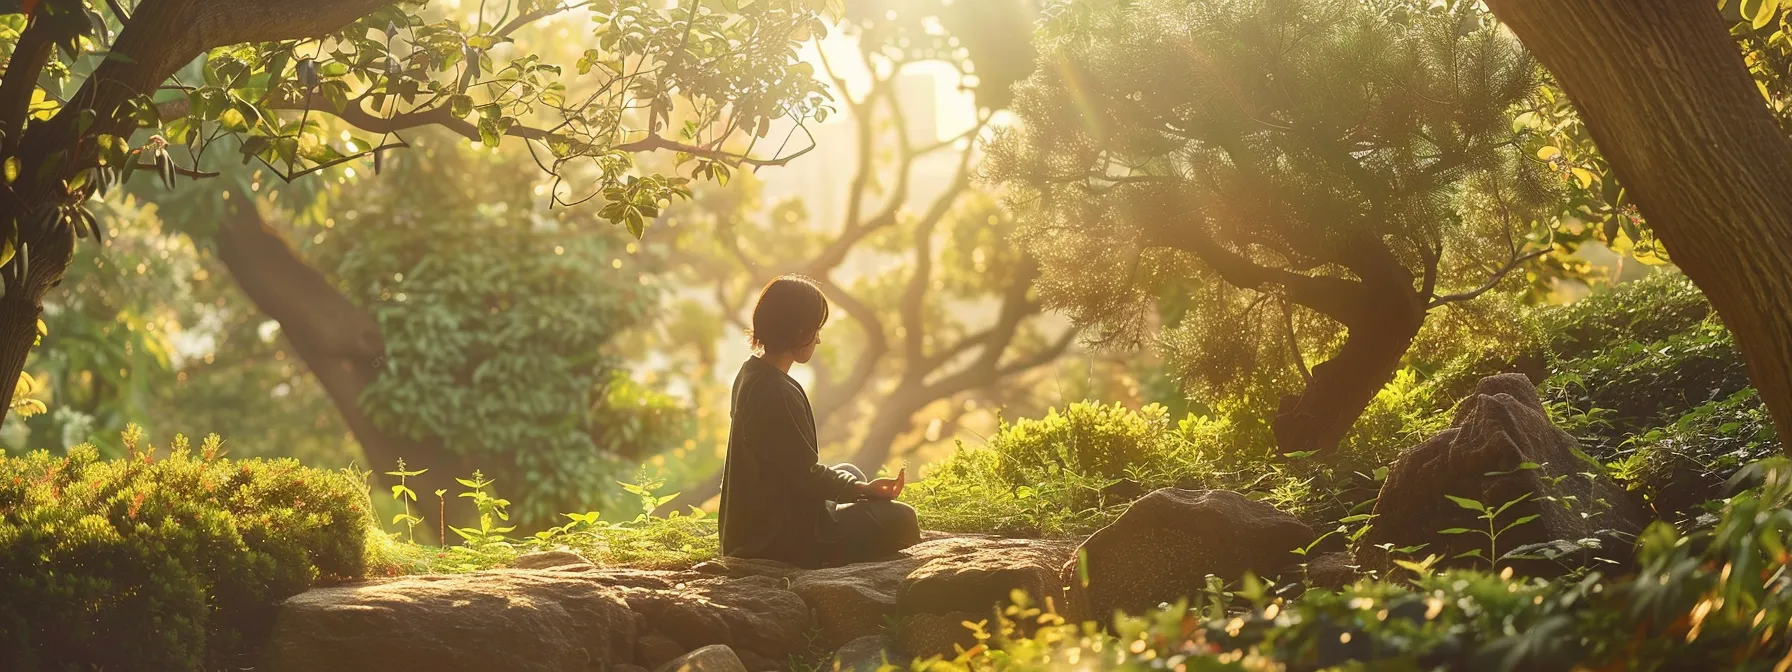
<point x="778" y="501"/>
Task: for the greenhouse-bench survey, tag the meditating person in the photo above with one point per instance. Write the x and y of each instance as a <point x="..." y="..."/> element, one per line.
<point x="778" y="501"/>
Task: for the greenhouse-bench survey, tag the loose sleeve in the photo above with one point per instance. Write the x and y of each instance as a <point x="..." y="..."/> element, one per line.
<point x="789" y="451"/>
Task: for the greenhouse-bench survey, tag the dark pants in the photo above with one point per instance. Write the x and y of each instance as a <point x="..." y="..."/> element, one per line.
<point x="869" y="529"/>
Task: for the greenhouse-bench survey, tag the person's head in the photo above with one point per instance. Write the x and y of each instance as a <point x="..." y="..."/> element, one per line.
<point x="788" y="317"/>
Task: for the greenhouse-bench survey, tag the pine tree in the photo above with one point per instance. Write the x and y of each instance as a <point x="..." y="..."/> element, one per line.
<point x="1299" y="178"/>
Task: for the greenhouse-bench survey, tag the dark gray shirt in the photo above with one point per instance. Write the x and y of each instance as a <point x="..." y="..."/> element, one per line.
<point x="774" y="489"/>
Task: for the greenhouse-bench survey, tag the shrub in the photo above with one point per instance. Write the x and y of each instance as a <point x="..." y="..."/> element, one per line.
<point x="162" y="563"/>
<point x="1645" y="311"/>
<point x="1074" y="470"/>
<point x="1650" y="384"/>
<point x="1679" y="466"/>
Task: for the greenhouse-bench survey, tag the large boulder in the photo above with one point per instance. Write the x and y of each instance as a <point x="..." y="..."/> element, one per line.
<point x="491" y="620"/>
<point x="977" y="575"/>
<point x="1501" y="448"/>
<point x="1166" y="544"/>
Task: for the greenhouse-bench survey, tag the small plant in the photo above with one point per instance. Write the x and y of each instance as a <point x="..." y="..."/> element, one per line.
<point x="1490" y="515"/>
<point x="645" y="489"/>
<point x="491" y="512"/>
<point x="405" y="496"/>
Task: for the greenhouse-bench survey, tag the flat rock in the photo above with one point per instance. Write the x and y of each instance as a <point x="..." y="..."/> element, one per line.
<point x="499" y="619"/>
<point x="756" y="616"/>
<point x="967" y="577"/>
<point x="556" y="559"/>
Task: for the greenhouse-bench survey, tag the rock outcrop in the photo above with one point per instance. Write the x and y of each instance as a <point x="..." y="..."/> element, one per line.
<point x="1164" y="546"/>
<point x="494" y="620"/>
<point x="1500" y="448"/>
<point x="556" y="610"/>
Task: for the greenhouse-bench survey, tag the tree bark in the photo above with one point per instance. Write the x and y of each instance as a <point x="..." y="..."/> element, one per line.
<point x="338" y="341"/>
<point x="1320" y="416"/>
<point x="1664" y="92"/>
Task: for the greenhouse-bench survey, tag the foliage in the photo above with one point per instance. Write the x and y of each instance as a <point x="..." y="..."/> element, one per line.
<point x="399" y="67"/>
<point x="1644" y="385"/>
<point x="1711" y="599"/>
<point x="496" y="319"/>
<point x="1650" y="380"/>
<point x="1279" y="189"/>
<point x="674" y="541"/>
<point x="1645" y="311"/>
<point x="1076" y="469"/>
<point x="171" y="561"/>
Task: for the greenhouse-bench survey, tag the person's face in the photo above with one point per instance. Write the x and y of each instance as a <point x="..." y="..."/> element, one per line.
<point x="805" y="353"/>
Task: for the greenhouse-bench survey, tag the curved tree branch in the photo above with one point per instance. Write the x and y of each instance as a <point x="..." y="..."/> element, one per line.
<point x="1492" y="281"/>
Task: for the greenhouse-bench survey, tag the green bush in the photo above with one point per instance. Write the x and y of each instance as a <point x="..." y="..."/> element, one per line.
<point x="1074" y="470"/>
<point x="1650" y="384"/>
<point x="170" y="562"/>
<point x="1660" y="305"/>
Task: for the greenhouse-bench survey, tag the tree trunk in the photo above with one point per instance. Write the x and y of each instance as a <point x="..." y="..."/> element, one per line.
<point x="1666" y="96"/>
<point x="18" y="333"/>
<point x="338" y="341"/>
<point x="894" y="418"/>
<point x="50" y="256"/>
<point x="1317" y="419"/>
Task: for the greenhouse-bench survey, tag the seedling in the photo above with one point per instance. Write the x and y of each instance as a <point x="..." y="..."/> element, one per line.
<point x="1493" y="532"/>
<point x="405" y="496"/>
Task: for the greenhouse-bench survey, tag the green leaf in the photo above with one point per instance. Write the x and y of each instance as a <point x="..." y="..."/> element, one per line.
<point x="1455" y="530"/>
<point x="12" y="169"/>
<point x="1764" y="14"/>
<point x="1518" y="522"/>
<point x="1467" y="503"/>
<point x="637" y="225"/>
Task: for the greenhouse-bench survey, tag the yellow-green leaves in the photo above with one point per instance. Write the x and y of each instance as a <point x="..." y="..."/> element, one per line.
<point x="1759" y="13"/>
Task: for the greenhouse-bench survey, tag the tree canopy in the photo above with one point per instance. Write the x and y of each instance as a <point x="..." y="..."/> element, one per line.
<point x="1323" y="175"/>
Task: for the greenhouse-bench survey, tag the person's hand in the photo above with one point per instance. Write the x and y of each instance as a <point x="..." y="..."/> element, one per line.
<point x="886" y="488"/>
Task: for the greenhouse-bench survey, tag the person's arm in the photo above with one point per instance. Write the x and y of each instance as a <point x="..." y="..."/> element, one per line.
<point x="792" y="453"/>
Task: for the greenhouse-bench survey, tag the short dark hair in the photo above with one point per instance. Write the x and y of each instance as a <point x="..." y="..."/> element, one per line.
<point x="790" y="310"/>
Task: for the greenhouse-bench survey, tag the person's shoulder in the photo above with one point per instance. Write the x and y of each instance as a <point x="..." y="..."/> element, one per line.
<point x="757" y="380"/>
